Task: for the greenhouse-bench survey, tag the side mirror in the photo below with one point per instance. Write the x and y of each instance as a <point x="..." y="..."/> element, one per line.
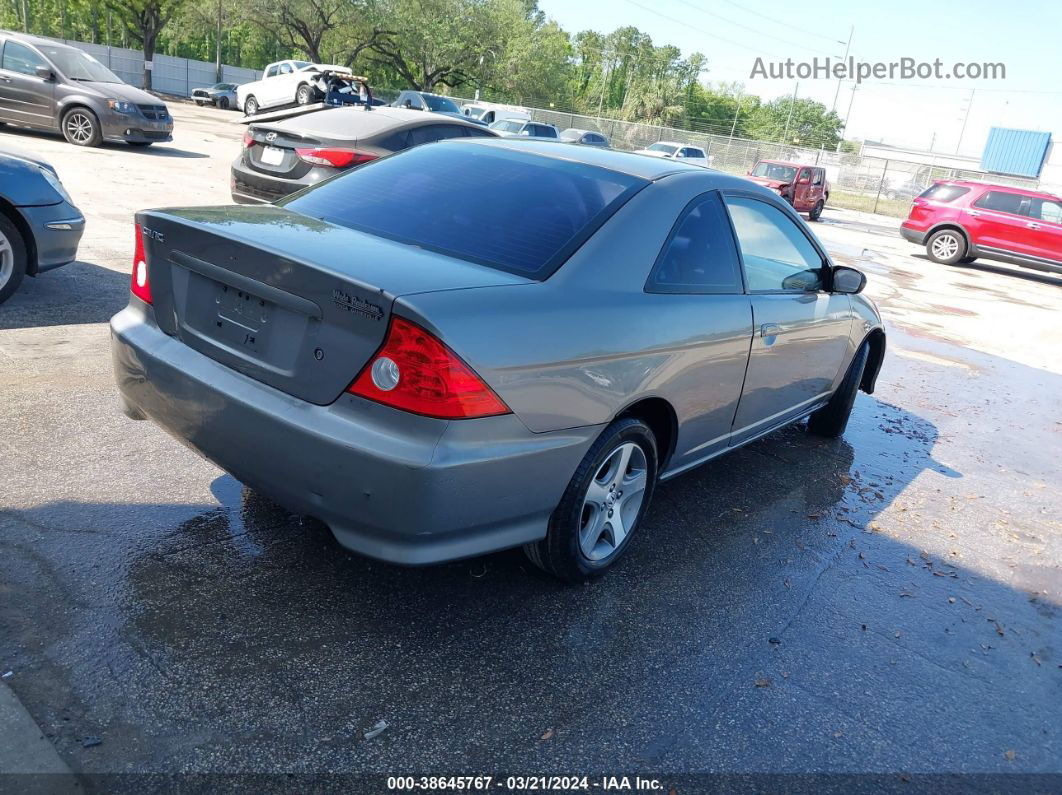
<point x="848" y="280"/>
<point x="44" y="73"/>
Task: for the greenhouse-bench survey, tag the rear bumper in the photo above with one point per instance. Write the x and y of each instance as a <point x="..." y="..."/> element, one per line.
<point x="57" y="231"/>
<point x="391" y="485"/>
<point x="912" y="235"/>
<point x="253" y="187"/>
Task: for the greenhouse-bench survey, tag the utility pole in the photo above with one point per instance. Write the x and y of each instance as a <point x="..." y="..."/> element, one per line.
<point x="217" y="48"/>
<point x="847" y="47"/>
<point x="737" y="113"/>
<point x="848" y="116"/>
<point x="965" y="118"/>
<point x="792" y="102"/>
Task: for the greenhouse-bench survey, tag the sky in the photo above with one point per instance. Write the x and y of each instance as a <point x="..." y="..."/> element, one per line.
<point x="1024" y="35"/>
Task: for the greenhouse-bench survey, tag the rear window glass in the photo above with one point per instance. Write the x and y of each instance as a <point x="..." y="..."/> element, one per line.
<point x="944" y="193"/>
<point x="514" y="211"/>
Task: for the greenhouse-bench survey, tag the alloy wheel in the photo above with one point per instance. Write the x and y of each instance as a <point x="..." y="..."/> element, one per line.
<point x="945" y="246"/>
<point x="7" y="260"/>
<point x="613" y="501"/>
<point x="80" y="127"/>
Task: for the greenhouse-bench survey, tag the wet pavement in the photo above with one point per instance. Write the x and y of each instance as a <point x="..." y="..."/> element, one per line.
<point x="887" y="602"/>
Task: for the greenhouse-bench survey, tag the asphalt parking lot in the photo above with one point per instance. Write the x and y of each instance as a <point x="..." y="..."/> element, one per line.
<point x="890" y="602"/>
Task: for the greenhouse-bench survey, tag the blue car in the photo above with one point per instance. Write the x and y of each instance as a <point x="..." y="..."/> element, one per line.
<point x="40" y="227"/>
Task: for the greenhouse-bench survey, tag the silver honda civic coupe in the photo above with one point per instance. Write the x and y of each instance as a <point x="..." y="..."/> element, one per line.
<point x="482" y="344"/>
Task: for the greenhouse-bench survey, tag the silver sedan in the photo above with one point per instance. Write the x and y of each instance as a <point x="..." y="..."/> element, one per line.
<point x="482" y="344"/>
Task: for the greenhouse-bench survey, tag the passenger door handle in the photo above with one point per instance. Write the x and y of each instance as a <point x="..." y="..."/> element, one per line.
<point x="1032" y="225"/>
<point x="974" y="213"/>
<point x="770" y="330"/>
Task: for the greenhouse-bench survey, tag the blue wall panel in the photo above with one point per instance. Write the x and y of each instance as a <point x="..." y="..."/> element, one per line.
<point x="1018" y="152"/>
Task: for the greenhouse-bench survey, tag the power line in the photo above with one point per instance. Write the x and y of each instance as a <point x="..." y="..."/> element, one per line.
<point x="761" y="15"/>
<point x="757" y="31"/>
<point x="702" y="31"/>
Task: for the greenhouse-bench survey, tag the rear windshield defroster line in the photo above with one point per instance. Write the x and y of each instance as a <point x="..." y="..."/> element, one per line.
<point x="514" y="211"/>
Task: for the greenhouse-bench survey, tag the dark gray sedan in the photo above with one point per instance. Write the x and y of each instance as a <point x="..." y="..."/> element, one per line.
<point x="40" y="227"/>
<point x="282" y="157"/>
<point x="487" y="344"/>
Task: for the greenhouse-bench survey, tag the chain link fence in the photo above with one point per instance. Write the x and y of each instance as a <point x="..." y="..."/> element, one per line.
<point x="870" y="184"/>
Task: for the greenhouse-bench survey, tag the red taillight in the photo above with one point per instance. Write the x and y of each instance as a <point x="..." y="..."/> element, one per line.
<point x="415" y="372"/>
<point x="248" y="139"/>
<point x="140" y="284"/>
<point x="337" y="158"/>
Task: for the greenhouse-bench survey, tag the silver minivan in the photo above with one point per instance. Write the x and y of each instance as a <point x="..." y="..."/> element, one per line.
<point x="52" y="86"/>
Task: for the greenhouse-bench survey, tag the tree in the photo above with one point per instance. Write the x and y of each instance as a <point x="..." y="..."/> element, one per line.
<point x="144" y="20"/>
<point x="302" y="24"/>
<point x="802" y="122"/>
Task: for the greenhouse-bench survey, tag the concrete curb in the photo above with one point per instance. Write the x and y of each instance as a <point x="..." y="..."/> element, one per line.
<point x="25" y="750"/>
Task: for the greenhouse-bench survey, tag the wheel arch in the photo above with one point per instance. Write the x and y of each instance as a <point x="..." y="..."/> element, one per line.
<point x="660" y="416"/>
<point x="876" y="340"/>
<point x="954" y="226"/>
<point x="12" y="214"/>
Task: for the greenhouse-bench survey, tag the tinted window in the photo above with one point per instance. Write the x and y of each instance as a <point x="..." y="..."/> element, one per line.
<point x="692" y="152"/>
<point x="434" y="132"/>
<point x="775" y="253"/>
<point x="440" y="104"/>
<point x="545" y="131"/>
<point x="271" y="71"/>
<point x="20" y="58"/>
<point x="509" y="210"/>
<point x="816" y="176"/>
<point x="944" y="193"/>
<point x="1001" y="201"/>
<point x="700" y="256"/>
<point x="474" y="132"/>
<point x="1045" y="210"/>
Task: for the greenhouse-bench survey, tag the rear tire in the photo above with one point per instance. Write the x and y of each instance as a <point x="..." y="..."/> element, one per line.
<point x="12" y="258"/>
<point x="594" y="522"/>
<point x="223" y="103"/>
<point x="82" y="128"/>
<point x="947" y="246"/>
<point x="831" y="420"/>
<point x="816" y="211"/>
<point x="250" y="106"/>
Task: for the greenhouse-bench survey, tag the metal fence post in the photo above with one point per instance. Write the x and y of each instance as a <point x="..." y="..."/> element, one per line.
<point x="881" y="182"/>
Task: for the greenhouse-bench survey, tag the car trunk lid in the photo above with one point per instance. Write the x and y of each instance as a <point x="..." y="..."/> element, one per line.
<point x="291" y="301"/>
<point x="272" y="151"/>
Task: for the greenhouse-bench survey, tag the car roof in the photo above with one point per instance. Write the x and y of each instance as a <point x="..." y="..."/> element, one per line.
<point x="788" y="163"/>
<point x="37" y="41"/>
<point x="650" y="168"/>
<point x="970" y="183"/>
<point x="351" y="122"/>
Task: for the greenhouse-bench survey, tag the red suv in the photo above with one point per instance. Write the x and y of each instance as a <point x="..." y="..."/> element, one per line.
<point x="804" y="187"/>
<point x="961" y="221"/>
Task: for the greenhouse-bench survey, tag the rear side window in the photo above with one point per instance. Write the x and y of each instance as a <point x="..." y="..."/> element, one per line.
<point x="776" y="254"/>
<point x="509" y="210"/>
<point x="1045" y="210"/>
<point x="700" y="256"/>
<point x="427" y="133"/>
<point x="944" y="193"/>
<point x="1001" y="201"/>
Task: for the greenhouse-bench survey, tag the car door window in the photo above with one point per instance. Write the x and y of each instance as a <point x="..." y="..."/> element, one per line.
<point x="1045" y="210"/>
<point x="816" y="176"/>
<point x="700" y="255"/>
<point x="692" y="152"/>
<point x="20" y="58"/>
<point x="271" y="71"/>
<point x="434" y="132"/>
<point x="776" y="254"/>
<point x="473" y="132"/>
<point x="1001" y="201"/>
<point x="285" y="69"/>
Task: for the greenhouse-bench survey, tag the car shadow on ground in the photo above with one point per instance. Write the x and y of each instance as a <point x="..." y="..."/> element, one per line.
<point x="80" y="292"/>
<point x="761" y="622"/>
<point x="25" y="138"/>
<point x="986" y="266"/>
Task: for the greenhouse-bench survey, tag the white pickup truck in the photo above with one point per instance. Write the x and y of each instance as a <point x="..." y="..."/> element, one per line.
<point x="284" y="83"/>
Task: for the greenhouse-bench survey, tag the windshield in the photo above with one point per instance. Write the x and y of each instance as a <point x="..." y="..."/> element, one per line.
<point x="474" y="113"/>
<point x="667" y="149"/>
<point x="571" y="135"/>
<point x="459" y="200"/>
<point x="300" y="65"/>
<point x="507" y="125"/>
<point x="78" y="65"/>
<point x="440" y="104"/>
<point x="774" y="171"/>
<point x="223" y="86"/>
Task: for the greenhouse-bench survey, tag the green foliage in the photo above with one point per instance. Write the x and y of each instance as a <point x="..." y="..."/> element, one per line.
<point x="507" y="49"/>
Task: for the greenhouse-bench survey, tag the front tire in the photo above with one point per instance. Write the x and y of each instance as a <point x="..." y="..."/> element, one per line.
<point x="602" y="506"/>
<point x="946" y="246"/>
<point x="12" y="258"/>
<point x="304" y="96"/>
<point x="831" y="420"/>
<point x="82" y="128"/>
<point x="223" y="103"/>
<point x="250" y="106"/>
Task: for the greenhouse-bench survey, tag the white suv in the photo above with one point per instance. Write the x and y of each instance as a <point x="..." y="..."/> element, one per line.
<point x="676" y="151"/>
